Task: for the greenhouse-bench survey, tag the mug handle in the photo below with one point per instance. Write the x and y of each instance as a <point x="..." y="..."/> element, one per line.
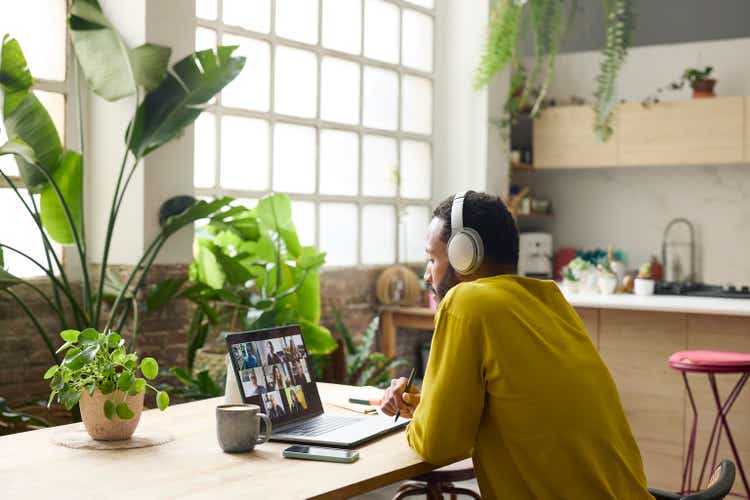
<point x="265" y="437"/>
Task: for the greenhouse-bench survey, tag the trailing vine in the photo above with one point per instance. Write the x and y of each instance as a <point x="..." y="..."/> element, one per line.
<point x="511" y="20"/>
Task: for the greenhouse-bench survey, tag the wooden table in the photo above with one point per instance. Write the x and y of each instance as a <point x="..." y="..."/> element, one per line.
<point x="193" y="465"/>
<point x="393" y="317"/>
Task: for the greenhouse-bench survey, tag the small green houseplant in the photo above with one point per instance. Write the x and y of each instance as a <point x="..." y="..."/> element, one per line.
<point x="98" y="372"/>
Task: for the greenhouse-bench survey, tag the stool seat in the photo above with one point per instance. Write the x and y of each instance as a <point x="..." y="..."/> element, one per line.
<point x="710" y="361"/>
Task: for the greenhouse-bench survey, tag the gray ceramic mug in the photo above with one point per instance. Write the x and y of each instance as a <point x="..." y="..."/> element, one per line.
<point x="238" y="427"/>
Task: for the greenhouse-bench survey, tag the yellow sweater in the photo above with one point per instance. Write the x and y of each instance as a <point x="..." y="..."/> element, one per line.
<point x="514" y="381"/>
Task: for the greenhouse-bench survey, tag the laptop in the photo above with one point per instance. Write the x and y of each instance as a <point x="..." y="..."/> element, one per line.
<point x="274" y="371"/>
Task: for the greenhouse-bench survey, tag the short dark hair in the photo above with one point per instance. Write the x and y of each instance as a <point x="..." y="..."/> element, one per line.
<point x="487" y="215"/>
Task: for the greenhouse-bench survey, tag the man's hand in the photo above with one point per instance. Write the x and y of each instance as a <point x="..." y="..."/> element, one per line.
<point x="395" y="400"/>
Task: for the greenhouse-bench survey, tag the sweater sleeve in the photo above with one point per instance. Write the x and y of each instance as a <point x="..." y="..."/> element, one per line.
<point x="446" y="422"/>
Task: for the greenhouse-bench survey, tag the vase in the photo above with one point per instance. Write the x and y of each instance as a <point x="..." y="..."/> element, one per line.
<point x="704" y="88"/>
<point x="96" y="422"/>
<point x="607" y="284"/>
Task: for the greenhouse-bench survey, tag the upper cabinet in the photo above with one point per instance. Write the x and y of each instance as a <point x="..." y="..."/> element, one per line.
<point x="563" y="137"/>
<point x="706" y="131"/>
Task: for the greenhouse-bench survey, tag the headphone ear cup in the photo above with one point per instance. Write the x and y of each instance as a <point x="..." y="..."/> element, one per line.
<point x="465" y="251"/>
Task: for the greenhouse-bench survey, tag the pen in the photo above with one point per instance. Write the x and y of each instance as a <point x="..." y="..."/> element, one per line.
<point x="370" y="402"/>
<point x="408" y="386"/>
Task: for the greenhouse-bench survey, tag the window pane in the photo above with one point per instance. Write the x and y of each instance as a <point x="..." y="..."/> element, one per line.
<point x="19" y="231"/>
<point x="413" y="233"/>
<point x="338" y="233"/>
<point x="303" y="216"/>
<point x="381" y="99"/>
<point x="297" y="20"/>
<point x="251" y="89"/>
<point x="205" y="9"/>
<point x="379" y="165"/>
<point x="416" y="105"/>
<point x="205" y="39"/>
<point x="342" y="25"/>
<point x="340" y="91"/>
<point x="416" y="170"/>
<point x="293" y="158"/>
<point x="424" y="3"/>
<point x="55" y="105"/>
<point x="417" y="48"/>
<point x="339" y="161"/>
<point x="379" y="234"/>
<point x="204" y="160"/>
<point x="39" y="26"/>
<point x="244" y="153"/>
<point x="295" y="85"/>
<point x="381" y="31"/>
<point x="254" y="15"/>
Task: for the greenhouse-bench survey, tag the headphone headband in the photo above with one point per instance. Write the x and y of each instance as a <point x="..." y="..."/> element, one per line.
<point x="457" y="212"/>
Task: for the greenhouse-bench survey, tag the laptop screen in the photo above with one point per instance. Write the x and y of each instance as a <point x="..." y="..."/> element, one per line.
<point x="274" y="372"/>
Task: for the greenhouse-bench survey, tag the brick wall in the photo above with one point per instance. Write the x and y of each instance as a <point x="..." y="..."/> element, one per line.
<point x="24" y="358"/>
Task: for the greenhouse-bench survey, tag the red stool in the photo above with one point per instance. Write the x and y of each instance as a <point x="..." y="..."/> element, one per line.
<point x="711" y="363"/>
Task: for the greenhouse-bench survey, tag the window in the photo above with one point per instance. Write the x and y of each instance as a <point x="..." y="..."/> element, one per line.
<point x="334" y="107"/>
<point x="43" y="39"/>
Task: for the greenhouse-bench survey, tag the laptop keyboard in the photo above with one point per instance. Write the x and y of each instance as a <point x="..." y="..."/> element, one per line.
<point x="320" y="425"/>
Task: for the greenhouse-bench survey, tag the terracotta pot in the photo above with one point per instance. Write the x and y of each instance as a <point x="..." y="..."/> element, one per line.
<point x="99" y="426"/>
<point x="704" y="88"/>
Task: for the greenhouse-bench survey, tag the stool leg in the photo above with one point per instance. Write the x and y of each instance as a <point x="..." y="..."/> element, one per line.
<point x="725" y="408"/>
<point x="462" y="491"/>
<point x="743" y="379"/>
<point x="410" y="492"/>
<point x="690" y="457"/>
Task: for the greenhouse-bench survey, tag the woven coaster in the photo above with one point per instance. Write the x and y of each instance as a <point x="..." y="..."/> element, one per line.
<point x="80" y="439"/>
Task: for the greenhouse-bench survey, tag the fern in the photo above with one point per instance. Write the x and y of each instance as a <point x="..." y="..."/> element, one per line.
<point x="620" y="23"/>
<point x="546" y="20"/>
<point x="501" y="42"/>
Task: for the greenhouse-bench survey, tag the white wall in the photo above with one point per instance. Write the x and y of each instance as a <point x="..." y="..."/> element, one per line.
<point x="630" y="207"/>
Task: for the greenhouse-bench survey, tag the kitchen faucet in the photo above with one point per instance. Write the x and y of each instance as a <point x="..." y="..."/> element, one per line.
<point x="690" y="277"/>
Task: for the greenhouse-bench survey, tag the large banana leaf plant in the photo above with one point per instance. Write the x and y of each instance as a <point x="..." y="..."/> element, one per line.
<point x="166" y="101"/>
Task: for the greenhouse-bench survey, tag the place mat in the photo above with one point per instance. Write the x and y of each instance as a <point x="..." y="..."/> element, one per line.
<point x="80" y="439"/>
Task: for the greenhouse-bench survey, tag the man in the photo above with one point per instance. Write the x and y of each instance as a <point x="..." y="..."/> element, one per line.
<point x="255" y="388"/>
<point x="513" y="379"/>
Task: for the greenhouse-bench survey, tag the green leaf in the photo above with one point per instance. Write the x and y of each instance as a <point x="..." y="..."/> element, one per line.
<point x="75" y="361"/>
<point x="70" y="336"/>
<point x="149" y="62"/>
<point x="7" y="280"/>
<point x="178" y="100"/>
<point x="63" y="347"/>
<point x="149" y="368"/>
<point x="103" y="56"/>
<point x="17" y="147"/>
<point x="182" y="375"/>
<point x="318" y="339"/>
<point x="275" y="214"/>
<point x="57" y="381"/>
<point x="162" y="400"/>
<point x="125" y="381"/>
<point x="124" y="411"/>
<point x="26" y="119"/>
<point x="210" y="271"/>
<point x="69" y="398"/>
<point x="139" y="385"/>
<point x="69" y="179"/>
<point x="201" y="210"/>
<point x="107" y="387"/>
<point x="51" y="372"/>
<point x="163" y="292"/>
<point x="109" y="409"/>
<point x="88" y="336"/>
<point x="113" y="285"/>
<point x="113" y="340"/>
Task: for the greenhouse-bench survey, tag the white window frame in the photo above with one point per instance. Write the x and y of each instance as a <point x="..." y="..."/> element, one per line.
<point x="397" y="201"/>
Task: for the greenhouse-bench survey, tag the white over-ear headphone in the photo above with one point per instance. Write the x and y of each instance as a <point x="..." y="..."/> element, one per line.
<point x="465" y="247"/>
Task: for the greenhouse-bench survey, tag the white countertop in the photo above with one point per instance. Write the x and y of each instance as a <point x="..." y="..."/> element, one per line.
<point x="664" y="303"/>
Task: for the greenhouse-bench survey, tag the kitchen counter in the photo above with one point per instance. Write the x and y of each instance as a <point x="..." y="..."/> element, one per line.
<point x="663" y="303"/>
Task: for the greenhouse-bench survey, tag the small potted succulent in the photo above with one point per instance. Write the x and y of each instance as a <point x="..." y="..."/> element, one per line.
<point x="607" y="278"/>
<point x="644" y="283"/>
<point x="100" y="375"/>
<point x="700" y="83"/>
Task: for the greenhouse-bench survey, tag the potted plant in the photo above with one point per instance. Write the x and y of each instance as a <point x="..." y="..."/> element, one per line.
<point x="571" y="283"/>
<point x="98" y="373"/>
<point x="700" y="83"/>
<point x="607" y="278"/>
<point x="644" y="284"/>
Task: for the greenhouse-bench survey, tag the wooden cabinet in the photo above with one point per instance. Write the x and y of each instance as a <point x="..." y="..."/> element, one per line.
<point x="693" y="132"/>
<point x="563" y="137"/>
<point x="746" y="152"/>
<point x="636" y="345"/>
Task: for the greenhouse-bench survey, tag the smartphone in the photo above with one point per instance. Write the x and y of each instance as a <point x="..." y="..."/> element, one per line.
<point x="321" y="453"/>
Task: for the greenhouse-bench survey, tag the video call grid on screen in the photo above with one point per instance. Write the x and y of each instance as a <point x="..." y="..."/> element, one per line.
<point x="274" y="372"/>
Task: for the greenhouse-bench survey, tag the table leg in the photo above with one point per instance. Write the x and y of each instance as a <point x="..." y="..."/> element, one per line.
<point x="388" y="329"/>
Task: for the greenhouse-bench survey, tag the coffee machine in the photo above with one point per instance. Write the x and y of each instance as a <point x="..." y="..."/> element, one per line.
<point x="535" y="255"/>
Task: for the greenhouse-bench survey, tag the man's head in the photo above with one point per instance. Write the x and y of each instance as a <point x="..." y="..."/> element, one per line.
<point x="253" y="378"/>
<point x="489" y="217"/>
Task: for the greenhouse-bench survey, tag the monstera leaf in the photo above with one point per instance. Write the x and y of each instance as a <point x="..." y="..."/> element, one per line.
<point x="112" y="70"/>
<point x="275" y="214"/>
<point x="25" y="118"/>
<point x="179" y="99"/>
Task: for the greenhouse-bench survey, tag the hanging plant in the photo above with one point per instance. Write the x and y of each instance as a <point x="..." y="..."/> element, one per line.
<point x="510" y="23"/>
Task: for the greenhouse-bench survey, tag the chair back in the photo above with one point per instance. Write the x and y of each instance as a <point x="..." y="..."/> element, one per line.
<point x="719" y="485"/>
